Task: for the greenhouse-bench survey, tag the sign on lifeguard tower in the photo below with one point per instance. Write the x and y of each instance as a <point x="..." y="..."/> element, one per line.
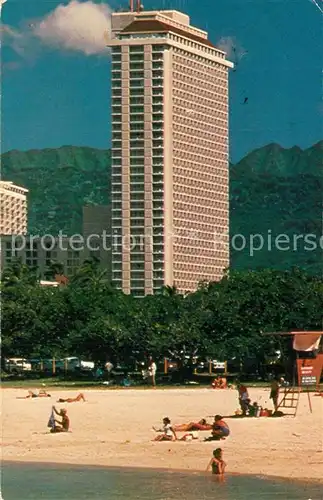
<point x="310" y="366"/>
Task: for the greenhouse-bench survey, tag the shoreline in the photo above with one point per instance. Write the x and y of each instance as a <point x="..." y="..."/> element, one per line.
<point x="63" y="465"/>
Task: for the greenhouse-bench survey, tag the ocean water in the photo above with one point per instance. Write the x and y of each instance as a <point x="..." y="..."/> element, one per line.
<point x="21" y="481"/>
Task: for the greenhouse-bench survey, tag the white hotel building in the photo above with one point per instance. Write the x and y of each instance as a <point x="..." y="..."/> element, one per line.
<point x="169" y="153"/>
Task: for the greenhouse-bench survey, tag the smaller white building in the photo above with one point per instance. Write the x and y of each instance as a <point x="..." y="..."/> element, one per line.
<point x="13" y="209"/>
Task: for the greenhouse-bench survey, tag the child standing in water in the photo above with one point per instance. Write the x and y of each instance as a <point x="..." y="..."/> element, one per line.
<point x="217" y="463"/>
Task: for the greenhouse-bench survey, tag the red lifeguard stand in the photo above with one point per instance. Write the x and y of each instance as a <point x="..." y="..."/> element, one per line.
<point x="307" y="369"/>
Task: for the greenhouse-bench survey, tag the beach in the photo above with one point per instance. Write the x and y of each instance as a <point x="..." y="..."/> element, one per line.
<point x="114" y="428"/>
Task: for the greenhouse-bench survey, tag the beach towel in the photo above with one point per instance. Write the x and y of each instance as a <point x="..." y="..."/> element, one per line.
<point x="51" y="421"/>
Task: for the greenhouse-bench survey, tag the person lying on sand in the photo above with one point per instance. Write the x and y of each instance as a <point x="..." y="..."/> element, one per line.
<point x="201" y="425"/>
<point x="168" y="433"/>
<point x="220" y="430"/>
<point x="217" y="463"/>
<point x="41" y="394"/>
<point x="79" y="397"/>
<point x="64" y="425"/>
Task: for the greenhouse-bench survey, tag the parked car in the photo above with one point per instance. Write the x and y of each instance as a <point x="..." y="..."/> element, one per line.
<point x="15" y="365"/>
<point x="73" y="363"/>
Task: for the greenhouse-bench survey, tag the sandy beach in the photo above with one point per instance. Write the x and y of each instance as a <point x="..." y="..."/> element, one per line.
<point x="113" y="428"/>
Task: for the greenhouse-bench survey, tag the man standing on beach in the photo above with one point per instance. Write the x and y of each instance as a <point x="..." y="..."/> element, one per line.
<point x="244" y="400"/>
<point x="152" y="369"/>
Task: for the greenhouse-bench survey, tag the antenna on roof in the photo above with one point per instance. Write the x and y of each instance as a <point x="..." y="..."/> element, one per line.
<point x="140" y="7"/>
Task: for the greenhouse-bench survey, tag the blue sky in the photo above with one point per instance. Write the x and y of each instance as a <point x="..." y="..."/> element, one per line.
<point x="54" y="97"/>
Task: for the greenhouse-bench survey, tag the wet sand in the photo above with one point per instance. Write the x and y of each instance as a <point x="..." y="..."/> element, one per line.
<point x="113" y="428"/>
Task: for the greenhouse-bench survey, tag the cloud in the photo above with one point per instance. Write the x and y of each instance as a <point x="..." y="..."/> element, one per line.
<point x="1" y="4"/>
<point x="78" y="26"/>
<point x="232" y="48"/>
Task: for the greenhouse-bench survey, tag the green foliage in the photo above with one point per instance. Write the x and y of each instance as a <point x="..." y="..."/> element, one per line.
<point x="271" y="189"/>
<point x="87" y="317"/>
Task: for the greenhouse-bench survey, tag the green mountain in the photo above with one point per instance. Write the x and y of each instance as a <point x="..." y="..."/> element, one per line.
<point x="277" y="191"/>
<point x="60" y="182"/>
<point x="273" y="191"/>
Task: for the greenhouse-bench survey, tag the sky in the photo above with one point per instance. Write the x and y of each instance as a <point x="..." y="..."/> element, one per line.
<point x="56" y="70"/>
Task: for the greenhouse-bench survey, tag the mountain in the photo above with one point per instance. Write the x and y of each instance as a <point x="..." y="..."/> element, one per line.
<point x="273" y="191"/>
<point x="277" y="191"/>
<point x="60" y="182"/>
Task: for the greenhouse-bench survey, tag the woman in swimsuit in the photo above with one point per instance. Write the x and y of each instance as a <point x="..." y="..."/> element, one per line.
<point x="201" y="425"/>
<point x="220" y="430"/>
<point x="41" y="394"/>
<point x="79" y="397"/>
<point x="217" y="463"/>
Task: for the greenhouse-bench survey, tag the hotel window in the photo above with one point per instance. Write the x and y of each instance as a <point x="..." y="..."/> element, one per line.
<point x="136" y="109"/>
<point x="137" y="100"/>
<point x="136" y="57"/>
<point x="157" y="65"/>
<point x="137" y="152"/>
<point x="136" y="49"/>
<point x="136" y="65"/>
<point x="136" y="74"/>
<point x="159" y="48"/>
<point x="137" y="257"/>
<point x="137" y="92"/>
<point x="139" y="214"/>
<point x="136" y="223"/>
<point x="136" y="283"/>
<point x="136" y="83"/>
<point x="116" y="66"/>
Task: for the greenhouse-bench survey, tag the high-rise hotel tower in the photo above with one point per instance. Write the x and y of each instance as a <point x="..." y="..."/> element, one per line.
<point x="170" y="200"/>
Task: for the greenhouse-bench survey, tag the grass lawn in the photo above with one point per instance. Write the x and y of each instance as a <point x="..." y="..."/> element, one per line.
<point x="60" y="382"/>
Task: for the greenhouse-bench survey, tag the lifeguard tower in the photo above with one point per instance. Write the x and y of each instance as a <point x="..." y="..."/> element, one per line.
<point x="307" y="368"/>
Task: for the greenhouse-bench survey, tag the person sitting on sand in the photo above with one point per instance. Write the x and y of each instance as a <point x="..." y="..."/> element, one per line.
<point x="41" y="394"/>
<point x="201" y="425"/>
<point x="220" y="430"/>
<point x="219" y="383"/>
<point x="64" y="425"/>
<point x="217" y="463"/>
<point x="79" y="397"/>
<point x="168" y="433"/>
